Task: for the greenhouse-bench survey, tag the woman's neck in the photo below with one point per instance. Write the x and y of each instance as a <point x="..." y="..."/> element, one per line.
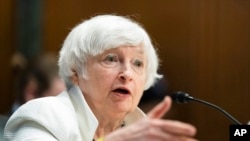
<point x="106" y="127"/>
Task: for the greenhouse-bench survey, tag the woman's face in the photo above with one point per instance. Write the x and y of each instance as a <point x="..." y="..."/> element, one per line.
<point x="115" y="80"/>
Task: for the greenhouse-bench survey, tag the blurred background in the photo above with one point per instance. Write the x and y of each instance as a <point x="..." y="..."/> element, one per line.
<point x="204" y="46"/>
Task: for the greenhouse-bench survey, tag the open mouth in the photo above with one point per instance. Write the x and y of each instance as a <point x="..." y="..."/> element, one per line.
<point x="121" y="91"/>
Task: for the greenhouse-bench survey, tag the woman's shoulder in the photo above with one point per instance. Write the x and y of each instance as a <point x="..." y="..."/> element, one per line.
<point x="50" y="113"/>
<point x="54" y="105"/>
<point x="47" y="111"/>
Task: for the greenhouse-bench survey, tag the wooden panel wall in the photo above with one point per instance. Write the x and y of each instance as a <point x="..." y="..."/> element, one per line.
<point x="7" y="41"/>
<point x="213" y="64"/>
<point x="204" y="47"/>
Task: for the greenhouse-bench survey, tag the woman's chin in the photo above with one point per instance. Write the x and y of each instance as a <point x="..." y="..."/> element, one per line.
<point x="122" y="107"/>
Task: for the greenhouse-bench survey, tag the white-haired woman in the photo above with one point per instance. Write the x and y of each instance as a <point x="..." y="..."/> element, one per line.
<point x="106" y="62"/>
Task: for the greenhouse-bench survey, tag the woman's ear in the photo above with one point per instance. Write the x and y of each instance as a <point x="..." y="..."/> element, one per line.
<point x="74" y="77"/>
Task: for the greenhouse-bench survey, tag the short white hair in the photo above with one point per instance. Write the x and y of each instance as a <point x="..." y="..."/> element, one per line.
<point x="100" y="33"/>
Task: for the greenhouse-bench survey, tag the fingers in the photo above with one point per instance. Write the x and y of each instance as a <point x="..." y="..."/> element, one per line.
<point x="154" y="134"/>
<point x="171" y="126"/>
<point x="175" y="127"/>
<point x="154" y="130"/>
<point x="160" y="109"/>
<point x="169" y="129"/>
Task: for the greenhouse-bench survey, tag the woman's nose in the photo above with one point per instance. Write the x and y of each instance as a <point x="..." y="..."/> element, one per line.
<point x="126" y="73"/>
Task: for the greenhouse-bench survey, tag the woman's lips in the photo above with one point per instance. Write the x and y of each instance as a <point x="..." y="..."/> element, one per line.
<point x="121" y="91"/>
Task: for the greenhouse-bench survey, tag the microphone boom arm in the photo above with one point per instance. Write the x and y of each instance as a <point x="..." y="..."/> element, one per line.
<point x="217" y="108"/>
<point x="182" y="97"/>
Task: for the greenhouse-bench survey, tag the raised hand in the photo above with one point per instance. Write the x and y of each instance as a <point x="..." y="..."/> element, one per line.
<point x="153" y="128"/>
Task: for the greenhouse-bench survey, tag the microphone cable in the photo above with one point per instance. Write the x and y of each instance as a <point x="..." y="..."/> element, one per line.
<point x="183" y="97"/>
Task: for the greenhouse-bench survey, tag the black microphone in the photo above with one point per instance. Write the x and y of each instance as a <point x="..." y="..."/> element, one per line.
<point x="182" y="97"/>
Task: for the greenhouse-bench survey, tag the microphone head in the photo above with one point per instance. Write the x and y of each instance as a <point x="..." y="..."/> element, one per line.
<point x="181" y="97"/>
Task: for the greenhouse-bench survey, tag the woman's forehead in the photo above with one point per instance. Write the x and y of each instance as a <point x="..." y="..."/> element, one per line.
<point x="137" y="49"/>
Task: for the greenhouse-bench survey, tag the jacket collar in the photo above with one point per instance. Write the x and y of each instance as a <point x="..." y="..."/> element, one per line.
<point x="86" y="119"/>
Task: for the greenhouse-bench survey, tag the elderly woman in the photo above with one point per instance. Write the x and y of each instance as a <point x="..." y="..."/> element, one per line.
<point x="106" y="62"/>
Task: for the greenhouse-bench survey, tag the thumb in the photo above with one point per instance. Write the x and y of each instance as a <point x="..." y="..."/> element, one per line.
<point x="160" y="109"/>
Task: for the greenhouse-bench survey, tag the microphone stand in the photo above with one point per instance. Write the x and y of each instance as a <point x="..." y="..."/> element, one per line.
<point x="182" y="97"/>
<point x="217" y="108"/>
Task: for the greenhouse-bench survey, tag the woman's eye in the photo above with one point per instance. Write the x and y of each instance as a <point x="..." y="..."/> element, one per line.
<point x="111" y="58"/>
<point x="138" y="63"/>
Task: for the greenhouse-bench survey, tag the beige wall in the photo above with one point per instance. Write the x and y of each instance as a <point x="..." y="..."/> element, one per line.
<point x="204" y="47"/>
